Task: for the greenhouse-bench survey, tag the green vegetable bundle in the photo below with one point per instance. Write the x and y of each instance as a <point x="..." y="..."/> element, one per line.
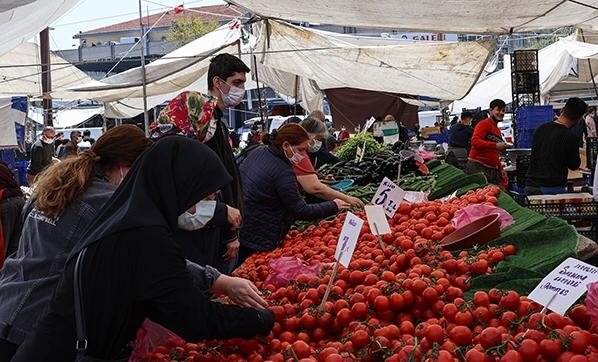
<point x="348" y="151"/>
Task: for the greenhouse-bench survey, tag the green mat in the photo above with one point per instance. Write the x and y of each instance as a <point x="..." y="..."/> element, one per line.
<point x="542" y="243"/>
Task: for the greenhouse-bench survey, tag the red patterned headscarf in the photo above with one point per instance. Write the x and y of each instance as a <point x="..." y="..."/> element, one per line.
<point x="190" y="114"/>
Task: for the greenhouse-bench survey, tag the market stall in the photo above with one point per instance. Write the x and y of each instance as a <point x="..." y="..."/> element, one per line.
<point x="402" y="296"/>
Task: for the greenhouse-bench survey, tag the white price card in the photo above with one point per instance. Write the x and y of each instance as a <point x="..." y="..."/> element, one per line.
<point x="348" y="239"/>
<point x="368" y="124"/>
<point x="389" y="196"/>
<point x="564" y="285"/>
<point x="377" y="220"/>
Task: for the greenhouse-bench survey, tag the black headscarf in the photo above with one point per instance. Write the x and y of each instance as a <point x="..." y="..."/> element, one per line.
<point x="167" y="179"/>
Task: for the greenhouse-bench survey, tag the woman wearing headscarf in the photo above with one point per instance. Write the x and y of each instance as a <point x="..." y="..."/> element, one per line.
<point x="70" y="196"/>
<point x="307" y="176"/>
<point x="207" y="240"/>
<point x="11" y="204"/>
<point x="131" y="268"/>
<point x="271" y="192"/>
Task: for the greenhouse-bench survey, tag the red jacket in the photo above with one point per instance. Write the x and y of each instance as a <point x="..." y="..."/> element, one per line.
<point x="483" y="143"/>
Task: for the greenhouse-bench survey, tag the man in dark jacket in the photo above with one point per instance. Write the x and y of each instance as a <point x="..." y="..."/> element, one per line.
<point x="42" y="152"/>
<point x="460" y="141"/>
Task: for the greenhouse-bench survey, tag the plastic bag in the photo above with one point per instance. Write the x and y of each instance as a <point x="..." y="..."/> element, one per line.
<point x="414" y="197"/>
<point x="286" y="268"/>
<point x="592" y="302"/>
<point x="471" y="213"/>
<point x="149" y="336"/>
<point x="426" y="155"/>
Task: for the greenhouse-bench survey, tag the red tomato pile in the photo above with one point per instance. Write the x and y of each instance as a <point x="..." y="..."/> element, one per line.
<point x="404" y="303"/>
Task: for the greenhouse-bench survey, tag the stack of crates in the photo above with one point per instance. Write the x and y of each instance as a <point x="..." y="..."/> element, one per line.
<point x="528" y="119"/>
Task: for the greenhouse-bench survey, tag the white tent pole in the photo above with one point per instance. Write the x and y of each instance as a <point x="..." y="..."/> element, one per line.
<point x="144" y="85"/>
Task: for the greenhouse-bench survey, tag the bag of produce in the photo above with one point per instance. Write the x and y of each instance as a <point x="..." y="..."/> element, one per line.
<point x="592" y="302"/>
<point x="473" y="212"/>
<point x="149" y="336"/>
<point x="286" y="268"/>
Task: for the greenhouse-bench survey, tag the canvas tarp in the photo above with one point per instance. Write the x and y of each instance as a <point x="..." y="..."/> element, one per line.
<point x="554" y="63"/>
<point x="445" y="70"/>
<point x="66" y="118"/>
<point x="457" y="16"/>
<point x="21" y="20"/>
<point x="177" y="66"/>
<point x="20" y="72"/>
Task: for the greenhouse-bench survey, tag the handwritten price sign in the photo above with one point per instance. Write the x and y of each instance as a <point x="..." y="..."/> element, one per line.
<point x="389" y="196"/>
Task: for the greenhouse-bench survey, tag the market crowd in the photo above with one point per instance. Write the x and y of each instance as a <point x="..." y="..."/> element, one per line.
<point x="126" y="227"/>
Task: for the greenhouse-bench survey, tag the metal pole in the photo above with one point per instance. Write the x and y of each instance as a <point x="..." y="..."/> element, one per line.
<point x="143" y="42"/>
<point x="44" y="48"/>
<point x="259" y="93"/>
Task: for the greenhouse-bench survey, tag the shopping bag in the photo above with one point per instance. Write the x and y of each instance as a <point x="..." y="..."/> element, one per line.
<point x="592" y="302"/>
<point x="286" y="268"/>
<point x="473" y="212"/>
<point x="149" y="336"/>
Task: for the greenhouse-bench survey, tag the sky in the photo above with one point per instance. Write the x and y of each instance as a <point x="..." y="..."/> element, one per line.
<point x="92" y="14"/>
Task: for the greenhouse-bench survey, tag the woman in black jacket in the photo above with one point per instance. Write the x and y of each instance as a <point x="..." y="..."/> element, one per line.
<point x="271" y="194"/>
<point x="133" y="269"/>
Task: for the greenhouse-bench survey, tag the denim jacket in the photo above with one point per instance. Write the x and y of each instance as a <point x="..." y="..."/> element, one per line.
<point x="28" y="279"/>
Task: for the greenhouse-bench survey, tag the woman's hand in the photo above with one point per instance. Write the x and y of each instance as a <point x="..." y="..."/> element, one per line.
<point x="354" y="201"/>
<point x="241" y="291"/>
<point x="234" y="217"/>
<point x="341" y="205"/>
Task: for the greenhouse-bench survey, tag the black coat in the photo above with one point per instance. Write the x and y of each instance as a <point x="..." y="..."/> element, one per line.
<point x="272" y="199"/>
<point x="133" y="268"/>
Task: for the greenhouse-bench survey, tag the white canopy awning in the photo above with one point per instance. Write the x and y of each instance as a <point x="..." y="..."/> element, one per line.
<point x="20" y="72"/>
<point x="20" y="20"/>
<point x="444" y="70"/>
<point x="554" y="62"/>
<point x="171" y="73"/>
<point x="456" y="16"/>
<point x="66" y="118"/>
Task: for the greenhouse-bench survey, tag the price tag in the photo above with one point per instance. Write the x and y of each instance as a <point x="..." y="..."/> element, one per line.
<point x="348" y="239"/>
<point x="377" y="220"/>
<point x="368" y="124"/>
<point x="389" y="196"/>
<point x="358" y="154"/>
<point x="564" y="285"/>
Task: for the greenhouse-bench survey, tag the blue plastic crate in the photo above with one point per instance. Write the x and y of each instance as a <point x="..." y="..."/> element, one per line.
<point x="21" y="167"/>
<point x="8" y="157"/>
<point x="531" y="117"/>
<point x="524" y="138"/>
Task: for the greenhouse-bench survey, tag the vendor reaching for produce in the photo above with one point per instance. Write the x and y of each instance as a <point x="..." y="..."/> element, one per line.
<point x="555" y="151"/>
<point x="487" y="144"/>
<point x="305" y="172"/>
<point x="271" y="194"/>
<point x="131" y="268"/>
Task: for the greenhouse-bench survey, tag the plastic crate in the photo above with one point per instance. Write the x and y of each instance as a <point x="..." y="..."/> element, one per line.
<point x="530" y="117"/>
<point x="524" y="138"/>
<point x="21" y="167"/>
<point x="8" y="157"/>
<point x="582" y="215"/>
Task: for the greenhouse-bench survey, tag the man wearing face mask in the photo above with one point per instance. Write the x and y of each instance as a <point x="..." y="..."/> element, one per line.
<point x="226" y="83"/>
<point x="487" y="144"/>
<point x="41" y="154"/>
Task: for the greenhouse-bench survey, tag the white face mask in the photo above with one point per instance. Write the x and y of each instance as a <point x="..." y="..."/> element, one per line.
<point x="204" y="211"/>
<point x="47" y="141"/>
<point x="234" y="96"/>
<point x="315" y="147"/>
<point x="295" y="158"/>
